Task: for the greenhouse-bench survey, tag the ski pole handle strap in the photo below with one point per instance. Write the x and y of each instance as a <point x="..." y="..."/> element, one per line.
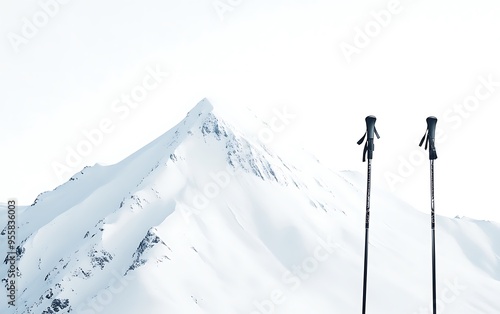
<point x="371" y="131"/>
<point x="430" y="137"/>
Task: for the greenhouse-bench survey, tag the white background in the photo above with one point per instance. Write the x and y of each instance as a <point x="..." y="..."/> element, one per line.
<point x="263" y="56"/>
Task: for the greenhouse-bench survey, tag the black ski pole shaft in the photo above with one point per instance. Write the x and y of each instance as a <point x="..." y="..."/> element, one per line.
<point x="368" y="152"/>
<point x="430" y="142"/>
<point x="367" y="227"/>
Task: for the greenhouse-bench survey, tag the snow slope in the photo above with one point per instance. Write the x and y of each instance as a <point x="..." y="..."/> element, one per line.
<point x="205" y="219"/>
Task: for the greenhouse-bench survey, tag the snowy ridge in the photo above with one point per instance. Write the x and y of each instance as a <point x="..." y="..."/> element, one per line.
<point x="204" y="219"/>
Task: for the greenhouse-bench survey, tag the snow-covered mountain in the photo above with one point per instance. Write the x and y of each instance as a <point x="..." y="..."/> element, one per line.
<point x="206" y="219"/>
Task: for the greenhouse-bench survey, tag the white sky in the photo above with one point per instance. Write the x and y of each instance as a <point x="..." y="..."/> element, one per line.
<point x="263" y="55"/>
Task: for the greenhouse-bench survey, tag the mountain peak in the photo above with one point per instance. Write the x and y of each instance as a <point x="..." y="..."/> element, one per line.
<point x="203" y="106"/>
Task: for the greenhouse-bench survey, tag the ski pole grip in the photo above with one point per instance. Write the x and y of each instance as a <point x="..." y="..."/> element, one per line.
<point x="370" y="126"/>
<point x="371" y="131"/>
<point x="370" y="134"/>
<point x="431" y="126"/>
<point x="431" y="136"/>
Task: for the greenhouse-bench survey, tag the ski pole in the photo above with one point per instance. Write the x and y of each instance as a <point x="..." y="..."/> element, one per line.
<point x="368" y="152"/>
<point x="430" y="134"/>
